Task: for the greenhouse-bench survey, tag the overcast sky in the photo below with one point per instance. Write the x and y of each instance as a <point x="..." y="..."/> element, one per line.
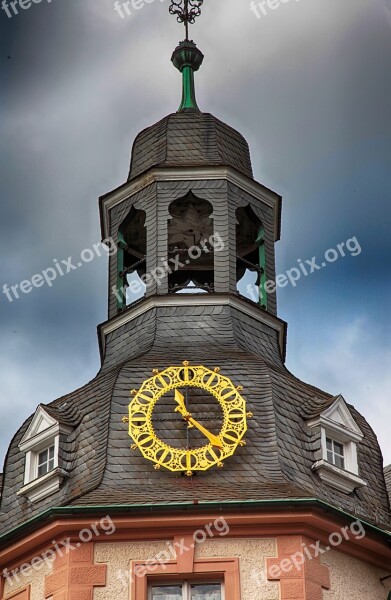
<point x="308" y="84"/>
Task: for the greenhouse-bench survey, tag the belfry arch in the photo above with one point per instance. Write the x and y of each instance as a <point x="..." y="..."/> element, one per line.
<point x="131" y="257"/>
<point x="190" y="252"/>
<point x="251" y="254"/>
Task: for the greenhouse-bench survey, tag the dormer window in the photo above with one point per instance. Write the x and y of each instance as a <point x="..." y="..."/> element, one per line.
<point x="43" y="473"/>
<point x="339" y="435"/>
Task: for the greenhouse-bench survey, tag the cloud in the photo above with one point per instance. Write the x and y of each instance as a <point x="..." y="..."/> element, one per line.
<point x="31" y="374"/>
<point x="387" y="9"/>
<point x="352" y="360"/>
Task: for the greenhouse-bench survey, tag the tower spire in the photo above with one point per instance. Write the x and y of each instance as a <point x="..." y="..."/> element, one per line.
<point x="187" y="58"/>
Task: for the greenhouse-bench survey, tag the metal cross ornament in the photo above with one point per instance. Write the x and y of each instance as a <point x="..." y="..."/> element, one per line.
<point x="186" y="12"/>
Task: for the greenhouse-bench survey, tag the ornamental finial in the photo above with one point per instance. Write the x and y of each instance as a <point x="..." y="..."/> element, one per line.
<point x="186" y="56"/>
<point x="186" y="12"/>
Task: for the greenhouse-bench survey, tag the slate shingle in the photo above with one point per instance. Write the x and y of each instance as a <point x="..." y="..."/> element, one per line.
<point x="192" y="139"/>
<point x="275" y="463"/>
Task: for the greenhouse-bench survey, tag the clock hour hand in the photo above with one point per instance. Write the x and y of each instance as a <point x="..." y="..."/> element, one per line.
<point x="214" y="439"/>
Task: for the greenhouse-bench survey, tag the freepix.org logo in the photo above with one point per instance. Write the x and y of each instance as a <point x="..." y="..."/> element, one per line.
<point x="127" y="8"/>
<point x="263" y="7"/>
<point x="58" y="549"/>
<point x="11" y="8"/>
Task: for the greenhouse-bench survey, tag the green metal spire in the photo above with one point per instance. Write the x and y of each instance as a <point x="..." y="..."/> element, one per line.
<point x="187" y="59"/>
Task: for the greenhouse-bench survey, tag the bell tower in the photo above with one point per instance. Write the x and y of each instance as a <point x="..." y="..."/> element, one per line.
<point x="193" y="228"/>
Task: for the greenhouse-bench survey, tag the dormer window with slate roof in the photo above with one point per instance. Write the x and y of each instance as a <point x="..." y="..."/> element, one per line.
<point x="43" y="474"/>
<point x="339" y="436"/>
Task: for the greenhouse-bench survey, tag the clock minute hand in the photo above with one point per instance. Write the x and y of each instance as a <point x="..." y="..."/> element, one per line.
<point x="214" y="439"/>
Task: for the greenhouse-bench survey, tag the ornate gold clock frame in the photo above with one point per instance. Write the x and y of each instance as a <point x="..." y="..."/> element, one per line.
<point x="219" y="447"/>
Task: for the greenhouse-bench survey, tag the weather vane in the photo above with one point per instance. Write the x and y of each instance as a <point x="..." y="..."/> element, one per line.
<point x="186" y="12"/>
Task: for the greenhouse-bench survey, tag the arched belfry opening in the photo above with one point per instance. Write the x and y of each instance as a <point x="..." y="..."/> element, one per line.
<point x="190" y="245"/>
<point x="131" y="258"/>
<point x="250" y="256"/>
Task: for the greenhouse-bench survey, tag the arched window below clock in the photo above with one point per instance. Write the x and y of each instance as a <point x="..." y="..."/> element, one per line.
<point x="250" y="256"/>
<point x="131" y="258"/>
<point x="190" y="246"/>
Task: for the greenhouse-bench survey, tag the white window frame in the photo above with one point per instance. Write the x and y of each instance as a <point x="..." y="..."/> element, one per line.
<point x="44" y="431"/>
<point x="337" y="423"/>
<point x="186" y="591"/>
<point x="31" y="465"/>
<point x="349" y="447"/>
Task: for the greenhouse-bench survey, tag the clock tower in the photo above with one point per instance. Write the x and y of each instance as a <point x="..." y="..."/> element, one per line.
<point x="194" y="466"/>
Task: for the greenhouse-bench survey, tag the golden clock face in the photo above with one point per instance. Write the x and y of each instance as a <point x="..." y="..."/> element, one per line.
<point x="187" y="418"/>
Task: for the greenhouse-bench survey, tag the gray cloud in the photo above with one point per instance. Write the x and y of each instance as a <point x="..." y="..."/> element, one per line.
<point x="307" y="85"/>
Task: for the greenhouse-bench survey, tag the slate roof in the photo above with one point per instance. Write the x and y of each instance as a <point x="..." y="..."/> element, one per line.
<point x="281" y="449"/>
<point x="189" y="139"/>
<point x="63" y="413"/>
<point x="275" y="463"/>
<point x="387" y="476"/>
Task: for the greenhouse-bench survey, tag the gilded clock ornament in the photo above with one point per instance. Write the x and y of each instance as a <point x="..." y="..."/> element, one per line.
<point x="216" y="447"/>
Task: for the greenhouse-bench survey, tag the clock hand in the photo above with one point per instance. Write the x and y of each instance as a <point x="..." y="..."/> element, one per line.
<point x="214" y="439"/>
<point x="180" y="399"/>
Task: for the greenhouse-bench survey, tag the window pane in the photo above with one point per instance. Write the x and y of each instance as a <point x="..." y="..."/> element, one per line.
<point x="329" y="444"/>
<point x="166" y="592"/>
<point x="211" y="591"/>
<point x="330" y="456"/>
<point x="42" y="457"/>
<point x="338" y="448"/>
<point x="51" y="452"/>
<point x="51" y="464"/>
<point x="42" y="470"/>
<point x="339" y="461"/>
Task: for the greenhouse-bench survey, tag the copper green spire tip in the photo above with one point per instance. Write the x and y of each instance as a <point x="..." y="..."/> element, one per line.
<point x="187" y="59"/>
